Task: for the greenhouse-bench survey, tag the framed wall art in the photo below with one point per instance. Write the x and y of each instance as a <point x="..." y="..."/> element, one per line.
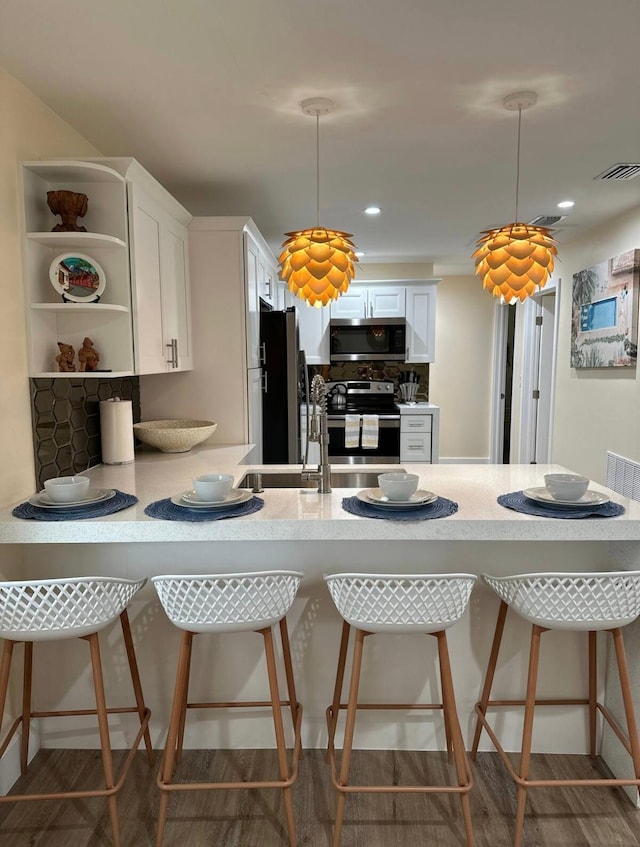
<point x="604" y="313"/>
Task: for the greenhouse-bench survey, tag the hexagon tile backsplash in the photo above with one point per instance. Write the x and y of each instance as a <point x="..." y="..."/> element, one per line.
<point x="66" y="421"/>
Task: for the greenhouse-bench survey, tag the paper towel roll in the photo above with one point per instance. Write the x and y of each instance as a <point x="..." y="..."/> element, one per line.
<point x="116" y="431"/>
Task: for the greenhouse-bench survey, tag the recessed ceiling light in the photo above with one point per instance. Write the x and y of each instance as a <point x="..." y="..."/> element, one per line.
<point x="566" y="204"/>
<point x="372" y="210"/>
<point x="360" y="253"/>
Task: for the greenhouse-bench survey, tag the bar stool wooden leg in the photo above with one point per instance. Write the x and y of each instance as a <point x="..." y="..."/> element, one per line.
<point x="451" y="716"/>
<point x="5" y="667"/>
<point x="168" y="760"/>
<point x="103" y="726"/>
<point x="352" y="707"/>
<point x="527" y="731"/>
<point x="593" y="691"/>
<point x="288" y="670"/>
<point x="445" y="711"/>
<point x="183" y="708"/>
<point x="26" y="705"/>
<point x="135" y="679"/>
<point x="488" y="680"/>
<point x="279" y="730"/>
<point x="627" y="700"/>
<point x="337" y="689"/>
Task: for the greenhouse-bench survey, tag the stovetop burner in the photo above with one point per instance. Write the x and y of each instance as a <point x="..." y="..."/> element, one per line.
<point x="375" y="397"/>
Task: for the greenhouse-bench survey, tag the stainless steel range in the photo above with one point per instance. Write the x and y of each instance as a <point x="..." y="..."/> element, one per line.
<point x="358" y="398"/>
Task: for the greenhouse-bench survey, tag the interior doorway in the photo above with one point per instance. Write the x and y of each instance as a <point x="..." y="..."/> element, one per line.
<point x="538" y="327"/>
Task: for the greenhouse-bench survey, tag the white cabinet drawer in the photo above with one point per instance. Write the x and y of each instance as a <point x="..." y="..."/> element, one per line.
<point x="415" y="448"/>
<point x="415" y="423"/>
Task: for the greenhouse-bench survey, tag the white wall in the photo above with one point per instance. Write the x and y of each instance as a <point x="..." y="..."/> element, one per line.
<point x="29" y="130"/>
<point x="460" y="378"/>
<point x="596" y="410"/>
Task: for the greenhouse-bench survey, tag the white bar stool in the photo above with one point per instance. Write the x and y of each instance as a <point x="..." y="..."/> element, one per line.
<point x="244" y="602"/>
<point x="393" y="603"/>
<point x="587" y="602"/>
<point x="57" y="609"/>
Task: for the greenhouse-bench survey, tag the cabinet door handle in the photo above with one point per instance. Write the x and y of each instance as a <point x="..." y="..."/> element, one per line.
<point x="407" y="352"/>
<point x="264" y="382"/>
<point x="262" y="353"/>
<point x="173" y="346"/>
<point x="364" y="308"/>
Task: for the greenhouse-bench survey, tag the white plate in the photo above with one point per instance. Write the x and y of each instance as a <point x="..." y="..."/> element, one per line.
<point x="188" y="500"/>
<point x="375" y="497"/>
<point x="94" y="495"/>
<point x="588" y="499"/>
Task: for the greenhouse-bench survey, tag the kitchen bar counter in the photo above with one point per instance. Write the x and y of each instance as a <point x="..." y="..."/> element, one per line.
<point x="304" y="515"/>
<point x="481" y="537"/>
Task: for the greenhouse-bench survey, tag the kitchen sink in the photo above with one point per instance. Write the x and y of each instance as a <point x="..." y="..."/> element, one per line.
<point x="339" y="479"/>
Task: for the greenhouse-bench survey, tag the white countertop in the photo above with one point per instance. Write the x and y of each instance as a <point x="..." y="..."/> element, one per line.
<point x="418" y="408"/>
<point x="304" y="515"/>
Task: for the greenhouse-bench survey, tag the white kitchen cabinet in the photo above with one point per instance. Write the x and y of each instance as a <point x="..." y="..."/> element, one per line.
<point x="419" y="433"/>
<point x="421" y="322"/>
<point x="137" y="234"/>
<point x="313" y="457"/>
<point x="254" y="391"/>
<point x="374" y="301"/>
<point x="251" y="266"/>
<point x="160" y="283"/>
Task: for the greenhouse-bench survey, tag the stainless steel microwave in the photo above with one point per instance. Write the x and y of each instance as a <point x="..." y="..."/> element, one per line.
<point x="368" y="339"/>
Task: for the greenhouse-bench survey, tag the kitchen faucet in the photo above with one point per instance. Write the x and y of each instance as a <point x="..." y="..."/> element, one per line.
<point x="319" y="431"/>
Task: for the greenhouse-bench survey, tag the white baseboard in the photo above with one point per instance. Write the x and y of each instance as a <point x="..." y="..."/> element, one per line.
<point x="10" y="762"/>
<point x="464" y="460"/>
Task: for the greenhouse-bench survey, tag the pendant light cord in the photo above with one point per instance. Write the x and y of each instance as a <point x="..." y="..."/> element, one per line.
<point x="518" y="163"/>
<point x="318" y="170"/>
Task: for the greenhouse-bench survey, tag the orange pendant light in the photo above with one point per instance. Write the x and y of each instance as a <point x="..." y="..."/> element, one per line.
<point x="318" y="264"/>
<point x="516" y="260"/>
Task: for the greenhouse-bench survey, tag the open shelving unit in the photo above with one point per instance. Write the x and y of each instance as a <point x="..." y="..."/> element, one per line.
<point x="51" y="320"/>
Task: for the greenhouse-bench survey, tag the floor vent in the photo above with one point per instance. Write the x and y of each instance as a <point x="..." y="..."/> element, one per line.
<point x="547" y="220"/>
<point x="623" y="476"/>
<point x="623" y="170"/>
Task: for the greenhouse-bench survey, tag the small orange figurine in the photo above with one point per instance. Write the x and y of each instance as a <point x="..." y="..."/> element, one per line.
<point x="65" y="358"/>
<point x="88" y="356"/>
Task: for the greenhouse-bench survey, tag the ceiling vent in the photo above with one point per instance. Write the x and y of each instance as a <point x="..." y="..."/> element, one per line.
<point x="547" y="220"/>
<point x="623" y="170"/>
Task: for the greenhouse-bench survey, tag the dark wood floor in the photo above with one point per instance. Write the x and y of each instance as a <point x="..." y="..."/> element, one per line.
<point x="571" y="817"/>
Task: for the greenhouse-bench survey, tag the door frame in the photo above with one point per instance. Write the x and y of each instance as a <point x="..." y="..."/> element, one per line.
<point x="529" y="408"/>
<point x="529" y="376"/>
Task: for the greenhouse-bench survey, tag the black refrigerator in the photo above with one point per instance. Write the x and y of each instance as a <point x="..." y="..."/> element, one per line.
<point x="283" y="387"/>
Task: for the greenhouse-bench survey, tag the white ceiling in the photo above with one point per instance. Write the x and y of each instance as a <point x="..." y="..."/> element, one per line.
<point x="206" y="94"/>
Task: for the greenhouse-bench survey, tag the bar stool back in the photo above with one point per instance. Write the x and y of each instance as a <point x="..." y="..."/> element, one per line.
<point x="244" y="602"/>
<point x="57" y="609"/>
<point x="588" y="602"/>
<point x="385" y="603"/>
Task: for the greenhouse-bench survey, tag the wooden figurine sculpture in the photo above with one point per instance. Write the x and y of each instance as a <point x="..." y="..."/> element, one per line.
<point x="65" y="358"/>
<point x="88" y="356"/>
<point x="70" y="206"/>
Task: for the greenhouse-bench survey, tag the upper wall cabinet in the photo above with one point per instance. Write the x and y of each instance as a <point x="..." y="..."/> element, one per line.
<point x="421" y="322"/>
<point x="362" y="301"/>
<point x="134" y="249"/>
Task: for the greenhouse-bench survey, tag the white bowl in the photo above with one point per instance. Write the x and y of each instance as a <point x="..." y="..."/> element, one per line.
<point x="566" y="486"/>
<point x="66" y="489"/>
<point x="177" y="436"/>
<point x="398" y="486"/>
<point x="213" y="487"/>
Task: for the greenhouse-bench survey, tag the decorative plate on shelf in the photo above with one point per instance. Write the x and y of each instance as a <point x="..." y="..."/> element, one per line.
<point x="77" y="277"/>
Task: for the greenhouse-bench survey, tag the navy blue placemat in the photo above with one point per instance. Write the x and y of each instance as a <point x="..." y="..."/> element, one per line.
<point x="517" y="501"/>
<point x="79" y="513"/>
<point x="441" y="508"/>
<point x="168" y="511"/>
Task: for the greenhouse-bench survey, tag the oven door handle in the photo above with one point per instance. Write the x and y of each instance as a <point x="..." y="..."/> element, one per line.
<point x="392" y="422"/>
